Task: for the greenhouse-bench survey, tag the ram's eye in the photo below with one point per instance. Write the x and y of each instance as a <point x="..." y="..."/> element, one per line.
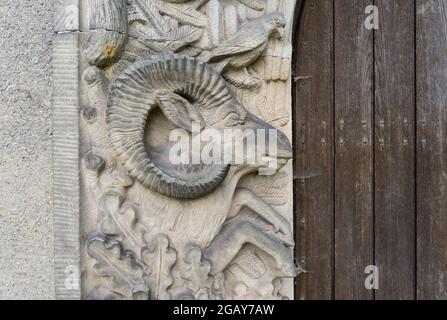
<point x="232" y="119"/>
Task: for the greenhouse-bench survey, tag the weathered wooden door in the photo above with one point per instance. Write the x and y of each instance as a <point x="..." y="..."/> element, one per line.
<point x="371" y="149"/>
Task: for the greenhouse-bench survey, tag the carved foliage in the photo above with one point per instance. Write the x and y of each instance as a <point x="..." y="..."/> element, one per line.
<point x="159" y="258"/>
<point x="121" y="266"/>
<point x="189" y="60"/>
<point x="199" y="282"/>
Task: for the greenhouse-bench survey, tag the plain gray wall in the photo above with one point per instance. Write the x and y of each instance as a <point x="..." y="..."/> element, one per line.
<point x="26" y="247"/>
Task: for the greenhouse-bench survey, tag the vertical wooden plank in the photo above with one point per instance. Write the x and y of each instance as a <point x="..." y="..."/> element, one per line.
<point x="394" y="150"/>
<point x="314" y="151"/>
<point x="353" y="158"/>
<point x="432" y="148"/>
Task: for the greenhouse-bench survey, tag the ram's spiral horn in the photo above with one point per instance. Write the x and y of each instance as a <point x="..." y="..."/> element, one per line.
<point x="134" y="96"/>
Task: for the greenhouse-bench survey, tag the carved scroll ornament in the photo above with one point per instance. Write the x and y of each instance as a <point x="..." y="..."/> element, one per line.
<point x="154" y="230"/>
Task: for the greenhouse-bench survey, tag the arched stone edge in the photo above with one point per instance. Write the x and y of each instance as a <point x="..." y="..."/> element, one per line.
<point x="295" y="34"/>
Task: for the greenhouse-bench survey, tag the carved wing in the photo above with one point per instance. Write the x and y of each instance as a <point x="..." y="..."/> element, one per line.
<point x="238" y="44"/>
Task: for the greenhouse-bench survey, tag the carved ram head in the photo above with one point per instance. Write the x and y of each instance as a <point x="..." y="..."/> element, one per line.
<point x="155" y="96"/>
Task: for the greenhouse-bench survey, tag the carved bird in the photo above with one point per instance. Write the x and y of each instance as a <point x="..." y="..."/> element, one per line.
<point x="239" y="51"/>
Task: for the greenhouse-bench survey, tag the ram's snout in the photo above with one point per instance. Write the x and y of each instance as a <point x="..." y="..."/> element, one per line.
<point x="283" y="149"/>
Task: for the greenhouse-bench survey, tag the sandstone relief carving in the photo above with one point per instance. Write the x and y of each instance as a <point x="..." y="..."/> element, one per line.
<point x="152" y="229"/>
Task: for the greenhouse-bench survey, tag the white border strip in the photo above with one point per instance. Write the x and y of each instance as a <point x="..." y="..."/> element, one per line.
<point x="66" y="188"/>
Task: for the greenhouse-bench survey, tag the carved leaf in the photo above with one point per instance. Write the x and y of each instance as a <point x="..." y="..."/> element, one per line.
<point x="272" y="189"/>
<point x="242" y="80"/>
<point x="257" y="5"/>
<point x="277" y="118"/>
<point x="122" y="266"/>
<point x="197" y="271"/>
<point x="159" y="257"/>
<point x="168" y="42"/>
<point x="139" y="49"/>
<point x="219" y="286"/>
<point x="186" y="34"/>
<point x="151" y="14"/>
<point x="249" y="261"/>
<point x="264" y="110"/>
<point x="198" y="3"/>
<point x="108" y="203"/>
<point x="118" y="220"/>
<point x="143" y="32"/>
<point x="173" y="24"/>
<point x="184" y="13"/>
<point x="181" y="37"/>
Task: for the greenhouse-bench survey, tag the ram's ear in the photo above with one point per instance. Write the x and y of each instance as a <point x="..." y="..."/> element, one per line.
<point x="179" y="111"/>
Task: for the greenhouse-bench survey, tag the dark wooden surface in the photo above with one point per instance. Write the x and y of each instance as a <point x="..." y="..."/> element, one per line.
<point x="314" y="159"/>
<point x="431" y="64"/>
<point x="371" y="149"/>
<point x="394" y="150"/>
<point x="353" y="152"/>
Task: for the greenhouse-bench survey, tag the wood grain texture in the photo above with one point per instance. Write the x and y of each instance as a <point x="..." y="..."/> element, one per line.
<point x="353" y="158"/>
<point x="394" y="150"/>
<point x="390" y="193"/>
<point x="432" y="149"/>
<point x="314" y="151"/>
